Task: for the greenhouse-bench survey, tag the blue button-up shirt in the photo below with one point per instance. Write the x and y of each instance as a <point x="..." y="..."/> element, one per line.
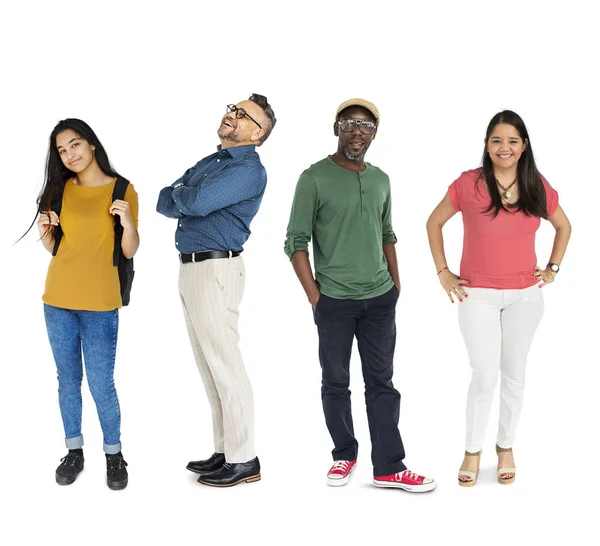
<point x="220" y="197"/>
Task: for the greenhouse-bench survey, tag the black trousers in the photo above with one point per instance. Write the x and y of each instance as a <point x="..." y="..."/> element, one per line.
<point x="373" y="323"/>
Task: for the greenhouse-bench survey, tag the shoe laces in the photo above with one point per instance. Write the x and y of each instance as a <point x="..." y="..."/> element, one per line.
<point x="227" y="465"/>
<point x="70" y="459"/>
<point x="409" y="475"/>
<point x="340" y="465"/>
<point x="116" y="462"/>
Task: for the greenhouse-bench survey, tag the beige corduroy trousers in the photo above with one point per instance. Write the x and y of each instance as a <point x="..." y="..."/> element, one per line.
<point x="211" y="292"/>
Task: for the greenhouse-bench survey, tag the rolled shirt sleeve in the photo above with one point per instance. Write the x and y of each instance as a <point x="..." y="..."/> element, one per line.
<point x="388" y="235"/>
<point x="302" y="216"/>
<point x="131" y="197"/>
<point x="453" y="195"/>
<point x="551" y="197"/>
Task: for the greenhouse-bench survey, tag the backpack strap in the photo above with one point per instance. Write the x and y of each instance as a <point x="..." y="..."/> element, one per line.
<point x="118" y="193"/>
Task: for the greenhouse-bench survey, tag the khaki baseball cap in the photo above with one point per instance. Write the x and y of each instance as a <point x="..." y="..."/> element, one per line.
<point x="359" y="102"/>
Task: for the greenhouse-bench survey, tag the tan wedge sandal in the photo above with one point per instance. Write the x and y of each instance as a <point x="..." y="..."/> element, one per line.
<point x="506" y="475"/>
<point x="468" y="478"/>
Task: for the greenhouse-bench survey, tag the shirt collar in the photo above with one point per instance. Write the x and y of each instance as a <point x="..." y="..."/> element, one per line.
<point x="236" y="151"/>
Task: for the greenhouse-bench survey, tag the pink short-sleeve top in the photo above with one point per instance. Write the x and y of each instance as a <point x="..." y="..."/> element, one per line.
<point x="497" y="252"/>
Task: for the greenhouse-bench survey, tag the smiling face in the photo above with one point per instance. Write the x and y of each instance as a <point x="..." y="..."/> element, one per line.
<point x="505" y="146"/>
<point x="235" y="131"/>
<point x="76" y="153"/>
<point x="354" y="144"/>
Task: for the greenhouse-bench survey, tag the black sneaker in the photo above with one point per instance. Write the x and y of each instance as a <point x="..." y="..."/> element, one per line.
<point x="116" y="473"/>
<point x="69" y="468"/>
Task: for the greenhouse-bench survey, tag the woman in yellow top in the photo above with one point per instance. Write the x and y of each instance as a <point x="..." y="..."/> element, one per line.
<point x="82" y="294"/>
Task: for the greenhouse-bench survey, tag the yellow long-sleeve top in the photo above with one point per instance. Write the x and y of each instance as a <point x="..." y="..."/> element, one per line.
<point x="82" y="276"/>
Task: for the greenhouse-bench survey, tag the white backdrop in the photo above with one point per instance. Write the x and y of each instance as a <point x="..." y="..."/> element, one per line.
<point x="153" y="82"/>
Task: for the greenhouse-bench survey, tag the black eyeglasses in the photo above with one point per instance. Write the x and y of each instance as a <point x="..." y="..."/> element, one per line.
<point x="348" y="125"/>
<point x="241" y="113"/>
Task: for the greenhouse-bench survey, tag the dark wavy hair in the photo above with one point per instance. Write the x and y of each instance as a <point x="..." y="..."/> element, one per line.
<point x="262" y="101"/>
<point x="532" y="195"/>
<point x="57" y="174"/>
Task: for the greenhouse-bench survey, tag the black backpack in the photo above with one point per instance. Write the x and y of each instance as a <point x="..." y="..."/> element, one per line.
<point x="125" y="265"/>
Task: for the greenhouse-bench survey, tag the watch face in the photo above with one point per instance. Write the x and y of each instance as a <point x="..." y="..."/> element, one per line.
<point x="554" y="268"/>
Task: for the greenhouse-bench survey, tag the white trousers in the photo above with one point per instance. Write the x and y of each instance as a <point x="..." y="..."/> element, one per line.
<point x="498" y="327"/>
<point x="211" y="292"/>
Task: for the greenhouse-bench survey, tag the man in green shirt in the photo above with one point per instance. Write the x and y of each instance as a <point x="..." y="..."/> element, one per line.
<point x="344" y="205"/>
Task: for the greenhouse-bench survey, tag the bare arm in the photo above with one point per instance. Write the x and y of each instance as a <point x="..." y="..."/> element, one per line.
<point x="389" y="251"/>
<point x="561" y="224"/>
<point x="449" y="281"/>
<point x="131" y="239"/>
<point x="440" y="215"/>
<point x="304" y="273"/>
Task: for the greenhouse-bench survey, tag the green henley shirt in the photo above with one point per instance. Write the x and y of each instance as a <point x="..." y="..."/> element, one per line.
<point x="349" y="217"/>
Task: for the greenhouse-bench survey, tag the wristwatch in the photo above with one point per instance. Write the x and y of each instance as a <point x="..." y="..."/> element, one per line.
<point x="553" y="267"/>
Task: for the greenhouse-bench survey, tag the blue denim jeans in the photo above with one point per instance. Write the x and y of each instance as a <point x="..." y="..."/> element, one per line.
<point x="95" y="333"/>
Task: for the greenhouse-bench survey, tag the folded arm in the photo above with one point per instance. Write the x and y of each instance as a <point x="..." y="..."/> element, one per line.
<point x="240" y="182"/>
<point x="166" y="206"/>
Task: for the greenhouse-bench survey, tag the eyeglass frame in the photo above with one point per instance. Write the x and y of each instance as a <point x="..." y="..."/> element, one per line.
<point x="358" y="123"/>
<point x="234" y="108"/>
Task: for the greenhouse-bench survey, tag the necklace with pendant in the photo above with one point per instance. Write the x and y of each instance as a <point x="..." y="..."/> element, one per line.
<point x="506" y="193"/>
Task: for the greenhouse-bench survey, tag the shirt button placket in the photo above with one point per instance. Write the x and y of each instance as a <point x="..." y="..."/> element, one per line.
<point x="363" y="206"/>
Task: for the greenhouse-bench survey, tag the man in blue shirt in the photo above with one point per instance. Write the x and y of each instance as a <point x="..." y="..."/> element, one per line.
<point x="214" y="203"/>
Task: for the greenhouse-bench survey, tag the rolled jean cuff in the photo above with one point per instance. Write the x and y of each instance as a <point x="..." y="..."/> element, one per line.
<point x="74" y="443"/>
<point x="112" y="449"/>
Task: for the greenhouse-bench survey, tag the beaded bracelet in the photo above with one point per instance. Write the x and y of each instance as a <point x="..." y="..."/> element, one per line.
<point x="443" y="268"/>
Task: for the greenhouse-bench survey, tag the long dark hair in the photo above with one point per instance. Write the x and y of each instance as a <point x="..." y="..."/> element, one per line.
<point x="57" y="174"/>
<point x="532" y="195"/>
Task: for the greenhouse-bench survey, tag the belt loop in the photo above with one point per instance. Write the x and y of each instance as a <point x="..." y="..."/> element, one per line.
<point x="193" y="257"/>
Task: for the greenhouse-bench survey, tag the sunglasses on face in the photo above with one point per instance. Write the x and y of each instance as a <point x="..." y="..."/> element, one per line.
<point x="349" y="125"/>
<point x="241" y="113"/>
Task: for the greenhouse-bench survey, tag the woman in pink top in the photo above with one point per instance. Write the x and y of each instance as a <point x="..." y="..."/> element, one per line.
<point x="501" y="204"/>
